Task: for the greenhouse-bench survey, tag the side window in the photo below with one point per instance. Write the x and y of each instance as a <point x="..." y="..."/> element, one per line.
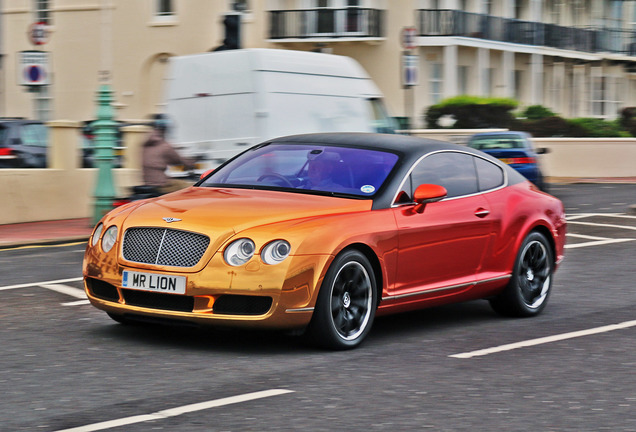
<point x="490" y="175"/>
<point x="455" y="171"/>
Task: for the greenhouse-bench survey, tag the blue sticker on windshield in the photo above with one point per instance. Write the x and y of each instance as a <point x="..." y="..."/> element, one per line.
<point x="367" y="189"/>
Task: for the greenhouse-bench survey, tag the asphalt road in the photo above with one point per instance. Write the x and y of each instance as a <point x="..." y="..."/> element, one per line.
<point x="64" y="364"/>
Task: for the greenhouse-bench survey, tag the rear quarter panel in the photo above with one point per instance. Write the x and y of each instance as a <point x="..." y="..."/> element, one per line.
<point x="516" y="211"/>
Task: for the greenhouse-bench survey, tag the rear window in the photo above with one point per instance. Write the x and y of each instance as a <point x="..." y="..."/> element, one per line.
<point x="497" y="142"/>
<point x="34" y="134"/>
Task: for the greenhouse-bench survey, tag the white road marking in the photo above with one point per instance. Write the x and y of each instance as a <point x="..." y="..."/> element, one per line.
<point x="172" y="412"/>
<point x="544" y="340"/>
<point x="602" y="225"/>
<point x="588" y="237"/>
<point x="27" y="285"/>
<point x="76" y="303"/>
<point x="596" y="243"/>
<point x="65" y="289"/>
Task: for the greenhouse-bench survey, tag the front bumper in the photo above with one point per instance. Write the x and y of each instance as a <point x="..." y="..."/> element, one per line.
<point x="254" y="295"/>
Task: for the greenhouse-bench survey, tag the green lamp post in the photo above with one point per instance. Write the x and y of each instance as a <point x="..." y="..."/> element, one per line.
<point x="105" y="138"/>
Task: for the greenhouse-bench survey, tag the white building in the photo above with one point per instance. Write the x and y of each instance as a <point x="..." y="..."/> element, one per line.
<point x="577" y="57"/>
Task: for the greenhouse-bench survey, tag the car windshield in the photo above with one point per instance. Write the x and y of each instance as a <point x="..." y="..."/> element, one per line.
<point x="496" y="142"/>
<point x="324" y="169"/>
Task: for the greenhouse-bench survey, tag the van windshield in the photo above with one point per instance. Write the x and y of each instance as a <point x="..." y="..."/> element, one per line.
<point x="316" y="168"/>
<point x="381" y="122"/>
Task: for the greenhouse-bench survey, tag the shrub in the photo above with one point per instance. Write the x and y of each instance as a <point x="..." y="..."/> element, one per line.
<point x="537" y="112"/>
<point x="473" y="112"/>
<point x="594" y="127"/>
<point x="550" y="127"/>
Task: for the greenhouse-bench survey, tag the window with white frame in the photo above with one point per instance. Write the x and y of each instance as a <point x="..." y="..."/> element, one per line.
<point x="605" y="94"/>
<point x="164" y="9"/>
<point x="436" y="82"/>
<point x="43" y="11"/>
<point x="462" y="79"/>
<point x="577" y="96"/>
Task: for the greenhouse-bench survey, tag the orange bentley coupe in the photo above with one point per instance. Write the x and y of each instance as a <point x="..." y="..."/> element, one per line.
<point x="323" y="232"/>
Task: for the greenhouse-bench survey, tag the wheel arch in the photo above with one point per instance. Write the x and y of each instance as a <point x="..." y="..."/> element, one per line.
<point x="542" y="229"/>
<point x="370" y="254"/>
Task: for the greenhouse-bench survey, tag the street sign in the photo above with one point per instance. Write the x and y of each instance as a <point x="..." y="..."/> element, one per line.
<point x="38" y="33"/>
<point x="410" y="70"/>
<point x="407" y="38"/>
<point x="33" y="68"/>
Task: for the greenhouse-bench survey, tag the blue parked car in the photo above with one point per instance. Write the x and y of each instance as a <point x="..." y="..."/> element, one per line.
<point x="515" y="149"/>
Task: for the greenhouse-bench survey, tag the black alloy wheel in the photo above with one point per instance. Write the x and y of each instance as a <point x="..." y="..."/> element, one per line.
<point x="531" y="281"/>
<point x="346" y="303"/>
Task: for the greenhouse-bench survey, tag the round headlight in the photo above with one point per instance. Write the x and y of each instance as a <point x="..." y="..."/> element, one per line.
<point x="109" y="239"/>
<point x="239" y="252"/>
<point x="97" y="233"/>
<point x="275" y="252"/>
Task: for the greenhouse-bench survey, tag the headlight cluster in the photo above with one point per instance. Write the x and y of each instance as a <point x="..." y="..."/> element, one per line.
<point x="242" y="250"/>
<point x="108" y="239"/>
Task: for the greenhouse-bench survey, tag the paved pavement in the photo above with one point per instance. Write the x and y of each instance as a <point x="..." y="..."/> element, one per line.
<point x="47" y="232"/>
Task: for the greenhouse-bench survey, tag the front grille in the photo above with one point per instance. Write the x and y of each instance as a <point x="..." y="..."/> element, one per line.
<point x="164" y="246"/>
<point x="172" y="302"/>
<point x="231" y="304"/>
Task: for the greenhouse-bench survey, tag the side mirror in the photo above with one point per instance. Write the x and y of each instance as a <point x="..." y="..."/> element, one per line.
<point x="205" y="174"/>
<point x="428" y="193"/>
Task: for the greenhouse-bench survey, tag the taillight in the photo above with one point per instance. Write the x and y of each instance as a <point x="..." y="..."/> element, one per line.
<point x="6" y="151"/>
<point x="522" y="160"/>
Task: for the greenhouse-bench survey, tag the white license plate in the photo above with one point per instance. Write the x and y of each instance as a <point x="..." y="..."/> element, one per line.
<point x="153" y="282"/>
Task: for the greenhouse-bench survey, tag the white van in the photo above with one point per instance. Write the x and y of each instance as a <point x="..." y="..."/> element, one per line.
<point x="220" y="103"/>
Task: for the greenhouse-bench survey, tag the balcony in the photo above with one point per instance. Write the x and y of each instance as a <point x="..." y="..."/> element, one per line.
<point x="321" y="23"/>
<point x="436" y="22"/>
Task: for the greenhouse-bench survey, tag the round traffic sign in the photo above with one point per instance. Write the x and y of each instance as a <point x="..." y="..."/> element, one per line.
<point x="408" y="38"/>
<point x="38" y="33"/>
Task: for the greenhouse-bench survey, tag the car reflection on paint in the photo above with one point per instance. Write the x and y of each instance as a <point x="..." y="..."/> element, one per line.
<point x="323" y="232"/>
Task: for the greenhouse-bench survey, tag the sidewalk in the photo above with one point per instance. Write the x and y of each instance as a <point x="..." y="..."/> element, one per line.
<point x="47" y="232"/>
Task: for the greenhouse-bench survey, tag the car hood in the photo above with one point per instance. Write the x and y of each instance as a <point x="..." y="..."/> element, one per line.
<point x="221" y="212"/>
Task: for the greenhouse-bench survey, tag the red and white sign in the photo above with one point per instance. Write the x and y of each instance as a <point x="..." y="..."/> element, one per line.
<point x="38" y="33"/>
<point x="34" y="68"/>
<point x="408" y="38"/>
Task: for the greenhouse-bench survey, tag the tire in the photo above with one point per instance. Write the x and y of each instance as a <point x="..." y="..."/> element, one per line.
<point x="531" y="282"/>
<point x="346" y="303"/>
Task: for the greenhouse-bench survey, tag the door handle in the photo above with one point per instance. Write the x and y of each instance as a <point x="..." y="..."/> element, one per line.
<point x="481" y="212"/>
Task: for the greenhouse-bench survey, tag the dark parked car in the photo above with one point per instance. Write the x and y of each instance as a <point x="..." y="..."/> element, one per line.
<point x="23" y="143"/>
<point x="514" y="149"/>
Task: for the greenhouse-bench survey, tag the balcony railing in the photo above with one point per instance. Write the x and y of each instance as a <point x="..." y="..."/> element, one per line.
<point x="323" y="22"/>
<point x="435" y="22"/>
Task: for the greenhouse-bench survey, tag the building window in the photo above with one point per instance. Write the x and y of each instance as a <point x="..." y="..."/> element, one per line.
<point x="606" y="92"/>
<point x="43" y="11"/>
<point x="436" y="82"/>
<point x="164" y="8"/>
<point x="240" y="5"/>
<point x="462" y="78"/>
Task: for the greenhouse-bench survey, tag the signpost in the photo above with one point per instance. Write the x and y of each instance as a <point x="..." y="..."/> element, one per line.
<point x="409" y="69"/>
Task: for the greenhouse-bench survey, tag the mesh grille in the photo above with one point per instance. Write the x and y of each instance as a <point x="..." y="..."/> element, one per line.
<point x="163" y="246"/>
